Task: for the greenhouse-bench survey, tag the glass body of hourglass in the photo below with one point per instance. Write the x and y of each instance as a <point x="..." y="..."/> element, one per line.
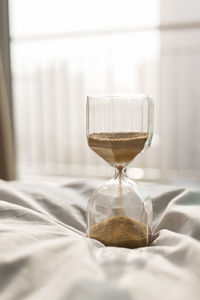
<point x="119" y="127"/>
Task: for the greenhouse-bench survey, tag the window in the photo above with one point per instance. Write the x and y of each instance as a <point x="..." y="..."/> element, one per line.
<point x="64" y="50"/>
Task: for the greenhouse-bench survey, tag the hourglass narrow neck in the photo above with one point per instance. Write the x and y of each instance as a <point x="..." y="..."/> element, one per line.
<point x="120" y="174"/>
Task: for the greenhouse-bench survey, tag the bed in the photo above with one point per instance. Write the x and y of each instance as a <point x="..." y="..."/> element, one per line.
<point x="44" y="253"/>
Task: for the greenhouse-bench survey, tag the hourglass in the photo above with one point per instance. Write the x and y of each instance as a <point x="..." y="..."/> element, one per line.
<point x="120" y="127"/>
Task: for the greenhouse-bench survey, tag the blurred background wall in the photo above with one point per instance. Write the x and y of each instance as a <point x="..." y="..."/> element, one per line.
<point x="63" y="51"/>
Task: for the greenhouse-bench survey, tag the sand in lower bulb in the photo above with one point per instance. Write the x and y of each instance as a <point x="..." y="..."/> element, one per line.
<point x="120" y="231"/>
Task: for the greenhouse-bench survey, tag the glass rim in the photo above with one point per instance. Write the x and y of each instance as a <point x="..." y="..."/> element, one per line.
<point x="119" y="95"/>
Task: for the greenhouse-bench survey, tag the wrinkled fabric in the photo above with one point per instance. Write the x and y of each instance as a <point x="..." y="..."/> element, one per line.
<point x="44" y="253"/>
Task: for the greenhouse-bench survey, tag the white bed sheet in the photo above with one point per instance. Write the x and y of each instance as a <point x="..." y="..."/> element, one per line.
<point x="45" y="255"/>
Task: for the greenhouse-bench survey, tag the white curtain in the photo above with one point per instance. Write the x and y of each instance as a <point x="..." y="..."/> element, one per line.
<point x="52" y="78"/>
